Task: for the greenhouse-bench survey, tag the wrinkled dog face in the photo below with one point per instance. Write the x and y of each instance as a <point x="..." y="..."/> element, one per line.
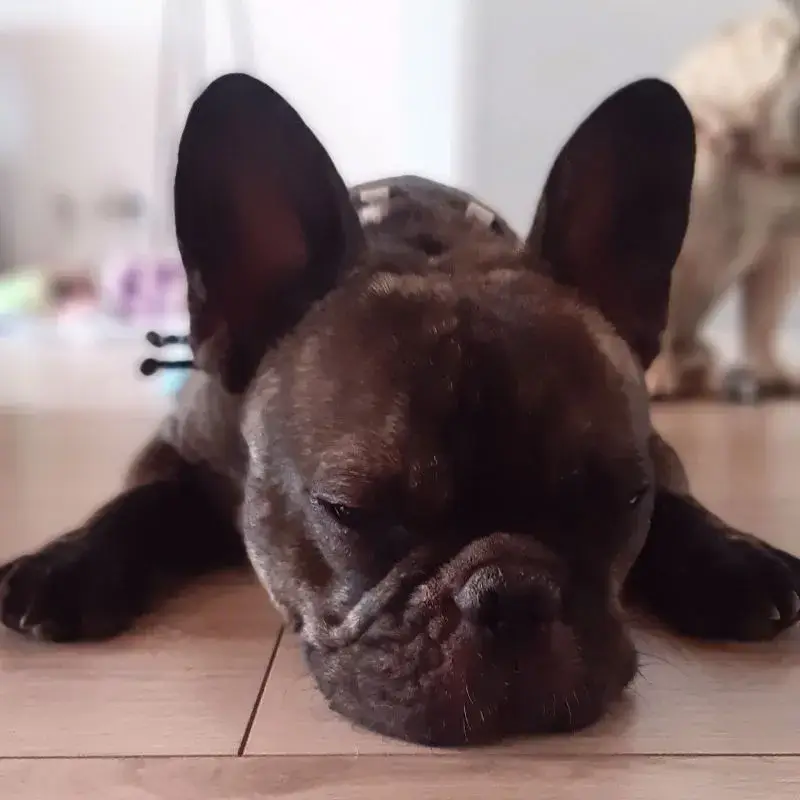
<point x="447" y="531"/>
<point x="449" y="474"/>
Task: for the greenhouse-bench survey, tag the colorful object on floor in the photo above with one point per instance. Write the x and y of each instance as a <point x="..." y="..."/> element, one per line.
<point x="175" y="372"/>
<point x="172" y="382"/>
<point x="23" y="292"/>
<point x="73" y="304"/>
<point x="144" y="287"/>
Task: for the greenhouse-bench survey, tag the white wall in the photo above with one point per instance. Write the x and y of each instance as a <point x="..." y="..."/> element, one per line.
<point x="536" y="68"/>
<point x="533" y="69"/>
<point x="478" y="92"/>
<point x="377" y="79"/>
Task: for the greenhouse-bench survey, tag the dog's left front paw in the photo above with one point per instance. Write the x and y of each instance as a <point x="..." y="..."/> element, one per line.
<point x="740" y="590"/>
<point x="707" y="580"/>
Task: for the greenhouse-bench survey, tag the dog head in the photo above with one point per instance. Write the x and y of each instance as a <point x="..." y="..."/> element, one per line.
<point x="449" y="474"/>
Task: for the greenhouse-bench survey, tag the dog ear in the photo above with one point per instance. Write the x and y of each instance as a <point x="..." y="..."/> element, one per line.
<point x="263" y="220"/>
<point x="615" y="208"/>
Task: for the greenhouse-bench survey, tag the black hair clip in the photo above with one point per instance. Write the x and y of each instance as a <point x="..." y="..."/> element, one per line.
<point x="152" y="365"/>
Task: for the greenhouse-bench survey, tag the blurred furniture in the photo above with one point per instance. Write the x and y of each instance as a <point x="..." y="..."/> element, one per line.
<point x="182" y="74"/>
<point x="6" y="220"/>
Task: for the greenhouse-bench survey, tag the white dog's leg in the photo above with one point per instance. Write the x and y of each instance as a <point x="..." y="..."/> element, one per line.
<point x="767" y="292"/>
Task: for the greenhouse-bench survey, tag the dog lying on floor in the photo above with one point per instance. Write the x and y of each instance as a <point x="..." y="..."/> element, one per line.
<point x="432" y="440"/>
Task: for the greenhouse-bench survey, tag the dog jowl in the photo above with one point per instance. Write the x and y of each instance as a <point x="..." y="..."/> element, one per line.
<point x="431" y="440"/>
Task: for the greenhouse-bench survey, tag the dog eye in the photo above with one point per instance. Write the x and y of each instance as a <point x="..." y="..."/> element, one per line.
<point x="638" y="496"/>
<point x="349" y="516"/>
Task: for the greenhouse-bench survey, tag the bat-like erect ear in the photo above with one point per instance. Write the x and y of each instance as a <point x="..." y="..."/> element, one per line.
<point x="615" y="209"/>
<point x="263" y="220"/>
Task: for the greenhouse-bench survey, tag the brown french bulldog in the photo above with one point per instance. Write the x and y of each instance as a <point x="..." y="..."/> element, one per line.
<point x="432" y="440"/>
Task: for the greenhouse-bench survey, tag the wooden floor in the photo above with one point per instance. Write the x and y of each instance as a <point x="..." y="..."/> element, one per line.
<point x="207" y="700"/>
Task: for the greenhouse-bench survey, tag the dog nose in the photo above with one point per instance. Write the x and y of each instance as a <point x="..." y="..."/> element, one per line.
<point x="501" y="598"/>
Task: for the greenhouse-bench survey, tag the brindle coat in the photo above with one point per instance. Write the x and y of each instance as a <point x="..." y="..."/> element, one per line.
<point x="432" y="439"/>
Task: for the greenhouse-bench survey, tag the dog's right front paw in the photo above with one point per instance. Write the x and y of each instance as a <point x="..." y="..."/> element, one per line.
<point x="71" y="590"/>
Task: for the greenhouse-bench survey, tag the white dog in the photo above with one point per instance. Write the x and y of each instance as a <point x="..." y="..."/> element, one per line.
<point x="743" y="88"/>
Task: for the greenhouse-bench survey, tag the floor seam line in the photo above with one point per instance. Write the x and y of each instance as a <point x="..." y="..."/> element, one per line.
<point x="259" y="696"/>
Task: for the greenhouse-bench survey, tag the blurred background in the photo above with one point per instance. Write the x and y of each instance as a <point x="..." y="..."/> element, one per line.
<point x="93" y="94"/>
